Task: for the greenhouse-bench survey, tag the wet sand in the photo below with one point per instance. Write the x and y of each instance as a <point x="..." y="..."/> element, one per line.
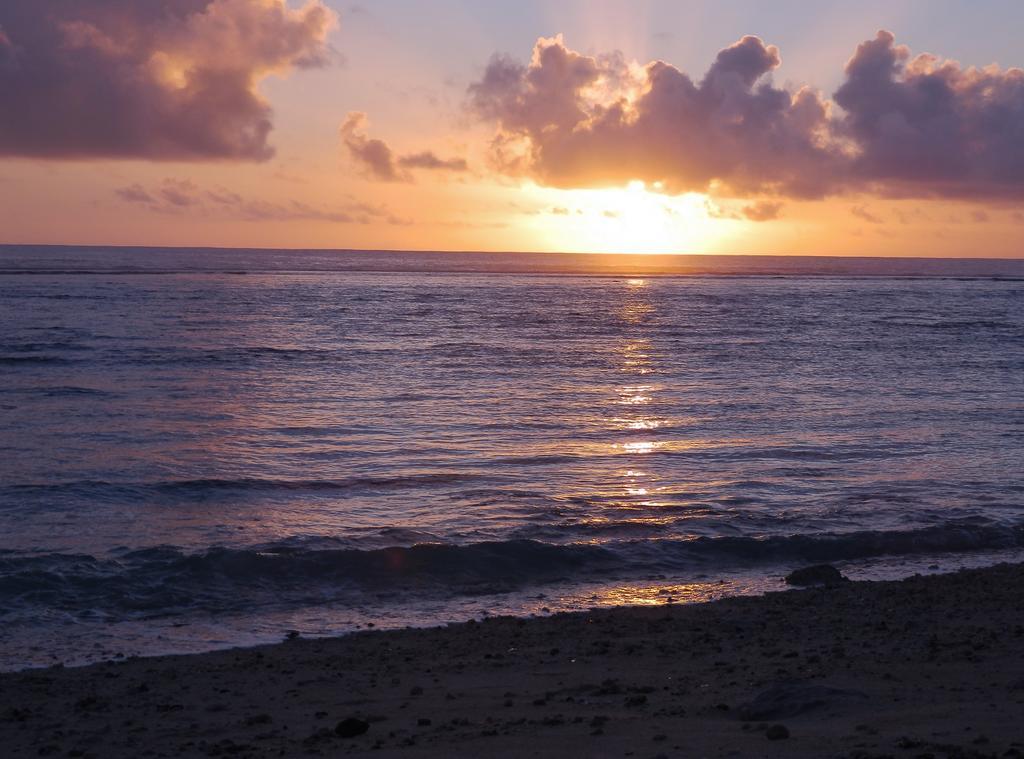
<point x="925" y="667"/>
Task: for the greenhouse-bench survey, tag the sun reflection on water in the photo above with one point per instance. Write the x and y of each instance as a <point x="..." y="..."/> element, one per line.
<point x="658" y="595"/>
<point x="636" y="357"/>
<point x="638" y="424"/>
<point x="639" y="446"/>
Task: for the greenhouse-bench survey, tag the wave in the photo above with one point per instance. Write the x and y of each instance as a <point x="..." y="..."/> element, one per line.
<point x="212" y="486"/>
<point x="33" y="360"/>
<point x="927" y="322"/>
<point x="184" y="356"/>
<point x="167" y="580"/>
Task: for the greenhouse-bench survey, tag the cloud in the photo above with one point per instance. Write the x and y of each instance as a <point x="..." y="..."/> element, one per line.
<point x="157" y="80"/>
<point x="179" y="192"/>
<point x="927" y="126"/>
<point x="897" y="126"/>
<point x="762" y="210"/>
<point x="428" y="160"/>
<point x="374" y="156"/>
<point x="862" y="213"/>
<point x="717" y="211"/>
<point x="759" y="210"/>
<point x="379" y="162"/>
<point x="135" y="193"/>
<point x="570" y="120"/>
<point x="176" y="196"/>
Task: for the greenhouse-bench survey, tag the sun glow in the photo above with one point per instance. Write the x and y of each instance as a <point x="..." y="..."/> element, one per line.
<point x="633" y="219"/>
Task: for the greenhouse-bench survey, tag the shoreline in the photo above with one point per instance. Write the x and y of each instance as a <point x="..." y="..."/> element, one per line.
<point x="925" y="666"/>
<point x="94" y="641"/>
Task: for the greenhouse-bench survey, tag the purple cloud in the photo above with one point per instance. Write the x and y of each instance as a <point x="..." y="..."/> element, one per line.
<point x="135" y="193"/>
<point x="428" y="160"/>
<point x="379" y="162"/>
<point x="897" y="126"/>
<point x="926" y="126"/>
<point x="179" y="192"/>
<point x="159" y="80"/>
<point x="178" y="196"/>
<point x="372" y="155"/>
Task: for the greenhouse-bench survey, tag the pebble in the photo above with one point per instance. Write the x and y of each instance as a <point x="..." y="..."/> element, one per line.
<point x="351" y="727"/>
<point x="777" y="733"/>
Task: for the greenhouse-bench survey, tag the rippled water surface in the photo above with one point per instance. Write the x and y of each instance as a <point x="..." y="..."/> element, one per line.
<point x="200" y="449"/>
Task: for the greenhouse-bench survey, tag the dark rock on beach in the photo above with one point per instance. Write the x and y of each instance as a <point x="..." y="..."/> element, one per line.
<point x="791" y="699"/>
<point x="777" y="733"/>
<point x="351" y="727"/>
<point x="819" y="574"/>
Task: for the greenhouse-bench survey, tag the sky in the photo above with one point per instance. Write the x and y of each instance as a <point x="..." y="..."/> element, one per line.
<point x="827" y="128"/>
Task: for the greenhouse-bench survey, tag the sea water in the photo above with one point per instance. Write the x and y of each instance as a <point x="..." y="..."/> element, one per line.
<point x="204" y="448"/>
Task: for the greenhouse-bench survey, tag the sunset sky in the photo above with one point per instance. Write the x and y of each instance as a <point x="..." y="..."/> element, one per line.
<point x="870" y="128"/>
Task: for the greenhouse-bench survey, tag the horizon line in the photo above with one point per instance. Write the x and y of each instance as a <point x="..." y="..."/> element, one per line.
<point x="107" y="246"/>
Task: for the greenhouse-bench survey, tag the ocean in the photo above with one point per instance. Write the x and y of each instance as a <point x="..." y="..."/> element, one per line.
<point x="210" y="448"/>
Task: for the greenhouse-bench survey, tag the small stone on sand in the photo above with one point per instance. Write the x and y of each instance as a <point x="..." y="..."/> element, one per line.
<point x="351" y="727"/>
<point x="777" y="733"/>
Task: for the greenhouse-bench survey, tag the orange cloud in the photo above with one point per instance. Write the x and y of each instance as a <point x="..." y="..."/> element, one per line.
<point x="571" y="120"/>
<point x="898" y="126"/>
<point x="762" y="210"/>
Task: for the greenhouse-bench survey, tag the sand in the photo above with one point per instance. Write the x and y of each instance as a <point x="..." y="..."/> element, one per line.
<point x="925" y="667"/>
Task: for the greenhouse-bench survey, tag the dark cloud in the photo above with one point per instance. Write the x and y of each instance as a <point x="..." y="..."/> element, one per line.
<point x="898" y="125"/>
<point x="160" y="79"/>
<point x="926" y="126"/>
<point x="177" y="196"/>
<point x="379" y="162"/>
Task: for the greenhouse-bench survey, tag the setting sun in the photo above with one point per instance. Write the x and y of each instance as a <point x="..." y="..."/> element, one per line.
<point x="631" y="219"/>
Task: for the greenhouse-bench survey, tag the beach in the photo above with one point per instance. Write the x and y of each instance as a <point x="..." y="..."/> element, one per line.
<point x="923" y="667"/>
